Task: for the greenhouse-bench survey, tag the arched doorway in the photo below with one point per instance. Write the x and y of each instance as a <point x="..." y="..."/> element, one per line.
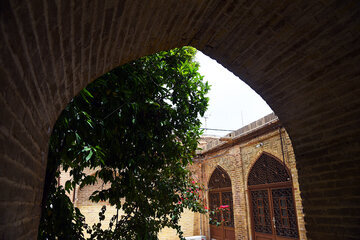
<point x="220" y="194"/>
<point x="272" y="205"/>
<point x="298" y="55"/>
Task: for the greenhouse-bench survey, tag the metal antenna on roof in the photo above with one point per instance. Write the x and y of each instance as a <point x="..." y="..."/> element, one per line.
<point x="206" y="116"/>
<point x="242" y="119"/>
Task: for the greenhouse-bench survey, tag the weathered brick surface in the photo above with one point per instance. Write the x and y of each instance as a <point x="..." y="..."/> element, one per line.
<point x="90" y="209"/>
<point x="189" y="221"/>
<point x="302" y="57"/>
<point x="189" y="225"/>
<point x="237" y="157"/>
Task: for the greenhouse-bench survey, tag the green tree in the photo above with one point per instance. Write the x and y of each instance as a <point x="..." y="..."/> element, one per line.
<point x="138" y="127"/>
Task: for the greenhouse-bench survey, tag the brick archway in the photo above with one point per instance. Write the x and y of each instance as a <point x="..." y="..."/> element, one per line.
<point x="302" y="57"/>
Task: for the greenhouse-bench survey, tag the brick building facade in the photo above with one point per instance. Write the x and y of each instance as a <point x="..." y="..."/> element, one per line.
<point x="301" y="57"/>
<point x="235" y="154"/>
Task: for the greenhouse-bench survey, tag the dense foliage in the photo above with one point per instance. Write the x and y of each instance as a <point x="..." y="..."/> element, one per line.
<point x="138" y="127"/>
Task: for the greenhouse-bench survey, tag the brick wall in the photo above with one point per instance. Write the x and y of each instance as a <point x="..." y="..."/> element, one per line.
<point x="301" y="56"/>
<point x="189" y="221"/>
<point x="90" y="209"/>
<point x="80" y="198"/>
<point x="237" y="158"/>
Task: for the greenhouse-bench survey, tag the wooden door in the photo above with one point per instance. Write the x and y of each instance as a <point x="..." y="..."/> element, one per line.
<point x="273" y="211"/>
<point x="261" y="215"/>
<point x="220" y="194"/>
<point x="284" y="213"/>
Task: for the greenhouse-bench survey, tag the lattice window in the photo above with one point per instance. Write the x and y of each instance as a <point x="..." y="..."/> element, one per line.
<point x="228" y="214"/>
<point x="284" y="213"/>
<point x="267" y="170"/>
<point x="219" y="179"/>
<point x="219" y="195"/>
<point x="215" y="202"/>
<point x="261" y="211"/>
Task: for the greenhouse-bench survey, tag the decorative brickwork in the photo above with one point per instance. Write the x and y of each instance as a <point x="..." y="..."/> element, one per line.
<point x="238" y="164"/>
<point x="301" y="56"/>
<point x="242" y="157"/>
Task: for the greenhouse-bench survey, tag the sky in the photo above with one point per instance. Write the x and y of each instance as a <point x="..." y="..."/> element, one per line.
<point x="232" y="103"/>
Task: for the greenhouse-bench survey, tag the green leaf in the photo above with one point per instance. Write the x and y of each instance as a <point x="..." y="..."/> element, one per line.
<point x="68" y="186"/>
<point x="88" y="93"/>
<point x="89" y="155"/>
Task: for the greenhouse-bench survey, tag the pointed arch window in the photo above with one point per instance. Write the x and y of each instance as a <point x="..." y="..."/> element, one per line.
<point x="219" y="179"/>
<point x="268" y="170"/>
<point x="220" y="194"/>
<point x="273" y="210"/>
